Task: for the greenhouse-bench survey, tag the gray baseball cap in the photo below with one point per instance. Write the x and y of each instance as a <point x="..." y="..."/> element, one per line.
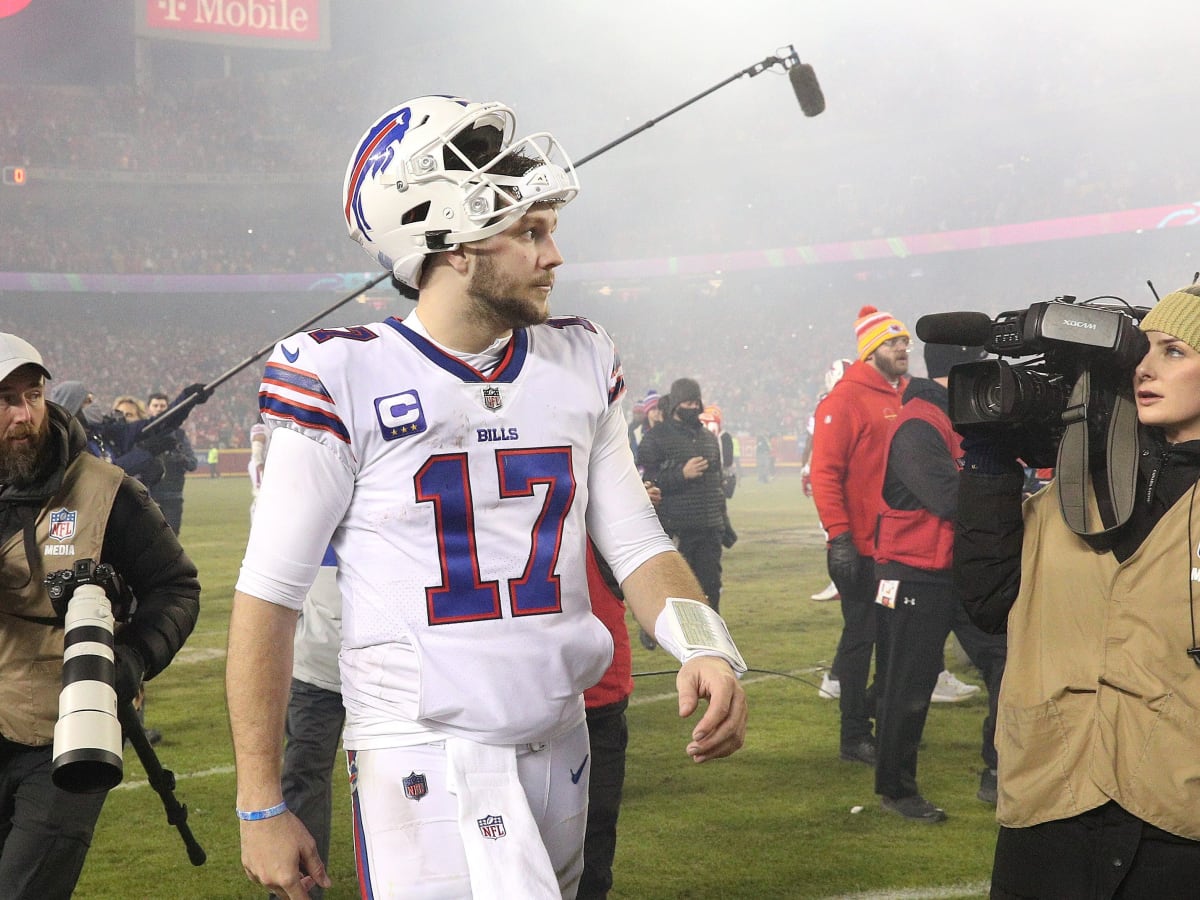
<point x="16" y="352"/>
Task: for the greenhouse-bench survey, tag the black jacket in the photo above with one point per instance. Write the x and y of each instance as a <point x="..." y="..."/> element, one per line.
<point x="989" y="528"/>
<point x="138" y="544"/>
<point x="687" y="503"/>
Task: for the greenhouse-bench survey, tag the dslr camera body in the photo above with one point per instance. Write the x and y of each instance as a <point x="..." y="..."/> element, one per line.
<point x="90" y="599"/>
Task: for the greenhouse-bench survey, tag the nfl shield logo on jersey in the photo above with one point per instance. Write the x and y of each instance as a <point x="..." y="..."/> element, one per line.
<point x="415" y="786"/>
<point x="491" y="827"/>
<point x="492" y="399"/>
<point x="62" y="524"/>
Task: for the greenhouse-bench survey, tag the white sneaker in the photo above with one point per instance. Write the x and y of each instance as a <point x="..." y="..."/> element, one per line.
<point x="950" y="690"/>
<point x="830" y="688"/>
<point x="829" y="593"/>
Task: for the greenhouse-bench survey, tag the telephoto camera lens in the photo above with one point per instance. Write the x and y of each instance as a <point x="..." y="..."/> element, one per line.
<point x="87" y="736"/>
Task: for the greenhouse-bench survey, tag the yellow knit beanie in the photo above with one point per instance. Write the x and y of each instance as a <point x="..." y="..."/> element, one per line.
<point x="873" y="327"/>
<point x="1177" y="314"/>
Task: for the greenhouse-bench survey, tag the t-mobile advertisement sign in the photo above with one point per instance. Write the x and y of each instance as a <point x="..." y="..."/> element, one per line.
<point x="276" y="24"/>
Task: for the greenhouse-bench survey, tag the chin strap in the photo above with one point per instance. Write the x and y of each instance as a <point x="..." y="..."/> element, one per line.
<point x="1097" y="457"/>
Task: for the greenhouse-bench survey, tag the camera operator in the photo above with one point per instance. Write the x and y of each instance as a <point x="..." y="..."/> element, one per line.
<point x="1100" y="707"/>
<point x="60" y="504"/>
<point x="178" y="458"/>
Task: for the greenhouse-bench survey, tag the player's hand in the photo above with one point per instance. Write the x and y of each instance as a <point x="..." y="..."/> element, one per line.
<point x="695" y="467"/>
<point x="281" y="855"/>
<point x="806" y="484"/>
<point x="722" y="729"/>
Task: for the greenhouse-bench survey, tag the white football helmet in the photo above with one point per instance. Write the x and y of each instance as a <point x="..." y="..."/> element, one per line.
<point x="835" y="372"/>
<point x="428" y="176"/>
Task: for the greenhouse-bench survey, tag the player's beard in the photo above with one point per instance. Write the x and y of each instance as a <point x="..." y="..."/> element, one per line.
<point x="20" y="461"/>
<point x="497" y="301"/>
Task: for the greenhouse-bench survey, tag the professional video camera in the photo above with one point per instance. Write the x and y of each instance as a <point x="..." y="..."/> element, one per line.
<point x="87" y="737"/>
<point x="1069" y="337"/>
<point x="1070" y="407"/>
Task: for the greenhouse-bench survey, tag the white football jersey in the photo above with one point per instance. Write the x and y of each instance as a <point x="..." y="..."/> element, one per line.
<point x="461" y="546"/>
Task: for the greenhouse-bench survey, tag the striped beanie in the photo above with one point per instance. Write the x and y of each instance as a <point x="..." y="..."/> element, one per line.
<point x="873" y="327"/>
<point x="650" y="401"/>
<point x="1177" y="314"/>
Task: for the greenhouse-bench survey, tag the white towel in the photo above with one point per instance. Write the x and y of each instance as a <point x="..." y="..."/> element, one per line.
<point x="505" y="853"/>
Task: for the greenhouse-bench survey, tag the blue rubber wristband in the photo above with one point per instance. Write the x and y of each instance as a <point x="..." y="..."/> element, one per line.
<point x="255" y="815"/>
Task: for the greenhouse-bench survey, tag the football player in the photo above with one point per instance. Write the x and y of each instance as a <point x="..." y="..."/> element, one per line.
<point x="457" y="460"/>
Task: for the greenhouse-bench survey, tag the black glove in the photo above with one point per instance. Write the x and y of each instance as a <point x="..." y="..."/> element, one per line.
<point x="157" y="444"/>
<point x="130" y="670"/>
<point x="842" y="559"/>
<point x="990" y="449"/>
<point x="202" y="393"/>
<point x="729" y="536"/>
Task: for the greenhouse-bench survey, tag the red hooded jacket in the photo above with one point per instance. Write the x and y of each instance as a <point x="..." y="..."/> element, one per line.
<point x="850" y="440"/>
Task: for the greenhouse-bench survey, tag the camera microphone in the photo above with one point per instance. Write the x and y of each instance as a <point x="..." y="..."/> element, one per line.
<point x="966" y="329"/>
<point x="806" y="88"/>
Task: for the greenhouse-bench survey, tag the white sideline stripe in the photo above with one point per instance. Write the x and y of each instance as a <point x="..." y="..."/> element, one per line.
<point x="949" y="892"/>
<point x="179" y="776"/>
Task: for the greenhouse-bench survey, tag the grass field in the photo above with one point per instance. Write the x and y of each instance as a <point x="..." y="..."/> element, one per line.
<point x="774" y="821"/>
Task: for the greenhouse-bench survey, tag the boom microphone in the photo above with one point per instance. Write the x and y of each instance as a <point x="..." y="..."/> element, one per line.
<point x="808" y="92"/>
<point x="966" y="329"/>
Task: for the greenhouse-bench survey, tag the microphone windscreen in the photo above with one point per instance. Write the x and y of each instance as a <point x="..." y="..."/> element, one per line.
<point x="967" y="329"/>
<point x="808" y="92"/>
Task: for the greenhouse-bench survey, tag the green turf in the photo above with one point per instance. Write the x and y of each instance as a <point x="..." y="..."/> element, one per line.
<point x="774" y="821"/>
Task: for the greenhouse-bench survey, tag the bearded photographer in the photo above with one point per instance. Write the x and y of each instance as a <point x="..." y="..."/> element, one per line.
<point x="58" y="505"/>
<point x="1099" y="720"/>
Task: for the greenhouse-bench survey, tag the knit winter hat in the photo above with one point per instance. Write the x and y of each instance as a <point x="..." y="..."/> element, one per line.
<point x="650" y="401"/>
<point x="1177" y="314"/>
<point x="873" y="327"/>
<point x="682" y="390"/>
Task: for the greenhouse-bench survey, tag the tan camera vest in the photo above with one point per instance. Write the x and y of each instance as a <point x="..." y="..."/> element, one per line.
<point x="68" y="528"/>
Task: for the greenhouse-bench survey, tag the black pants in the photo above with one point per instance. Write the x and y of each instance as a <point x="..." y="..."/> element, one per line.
<point x="860" y="638"/>
<point x="924" y="615"/>
<point x="313" y="727"/>
<point x="701" y="547"/>
<point x="609" y="736"/>
<point x="45" y="832"/>
<point x="1100" y="854"/>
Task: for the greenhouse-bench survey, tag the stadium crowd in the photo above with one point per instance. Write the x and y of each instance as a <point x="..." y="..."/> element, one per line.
<point x="201" y="155"/>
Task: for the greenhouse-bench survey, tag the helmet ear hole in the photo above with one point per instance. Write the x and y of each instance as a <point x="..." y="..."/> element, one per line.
<point x="418" y="213"/>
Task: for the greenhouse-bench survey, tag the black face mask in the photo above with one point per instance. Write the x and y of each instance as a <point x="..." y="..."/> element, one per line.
<point x="687" y="415"/>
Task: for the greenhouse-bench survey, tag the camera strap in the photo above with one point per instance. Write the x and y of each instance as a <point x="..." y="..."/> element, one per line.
<point x="1097" y="457"/>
